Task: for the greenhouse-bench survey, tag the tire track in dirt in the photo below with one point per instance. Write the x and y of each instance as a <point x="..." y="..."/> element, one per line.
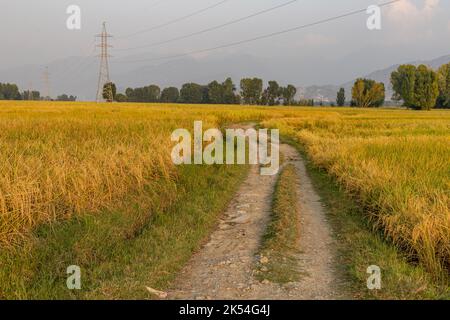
<point x="224" y="268"/>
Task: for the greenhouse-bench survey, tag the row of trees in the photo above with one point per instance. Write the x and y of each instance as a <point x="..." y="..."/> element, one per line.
<point x="366" y="93"/>
<point x="10" y="91"/>
<point x="421" y="87"/>
<point x="418" y="87"/>
<point x="65" y="97"/>
<point x="251" y="92"/>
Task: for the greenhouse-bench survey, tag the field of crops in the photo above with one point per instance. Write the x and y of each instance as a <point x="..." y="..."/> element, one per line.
<point x="64" y="160"/>
<point x="67" y="159"/>
<point x="396" y="163"/>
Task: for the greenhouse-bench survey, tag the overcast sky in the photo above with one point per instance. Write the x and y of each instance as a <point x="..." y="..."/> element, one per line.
<point x="34" y="32"/>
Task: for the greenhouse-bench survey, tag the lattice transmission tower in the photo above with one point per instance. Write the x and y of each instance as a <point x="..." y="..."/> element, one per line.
<point x="46" y="78"/>
<point x="30" y="91"/>
<point x="103" y="77"/>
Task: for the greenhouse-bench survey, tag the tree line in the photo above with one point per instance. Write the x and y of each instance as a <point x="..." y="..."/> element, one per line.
<point x="10" y="91"/>
<point x="420" y="88"/>
<point x="252" y="92"/>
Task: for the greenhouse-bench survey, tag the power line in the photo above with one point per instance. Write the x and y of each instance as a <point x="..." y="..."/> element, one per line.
<point x="212" y="28"/>
<point x="270" y="35"/>
<point x="157" y="3"/>
<point x="175" y="20"/>
<point x="75" y="65"/>
<point x="81" y="67"/>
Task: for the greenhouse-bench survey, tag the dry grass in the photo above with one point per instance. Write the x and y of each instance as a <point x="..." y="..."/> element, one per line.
<point x="397" y="163"/>
<point x="59" y="162"/>
<point x="68" y="159"/>
<point x="64" y="159"/>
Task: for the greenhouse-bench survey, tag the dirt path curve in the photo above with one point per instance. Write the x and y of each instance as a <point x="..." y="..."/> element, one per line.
<point x="224" y="267"/>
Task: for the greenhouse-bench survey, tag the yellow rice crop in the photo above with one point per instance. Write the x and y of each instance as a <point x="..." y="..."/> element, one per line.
<point x="64" y="159"/>
<point x="397" y="163"/>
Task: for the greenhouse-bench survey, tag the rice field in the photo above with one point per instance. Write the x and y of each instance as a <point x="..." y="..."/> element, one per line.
<point x="65" y="160"/>
<point x="396" y="164"/>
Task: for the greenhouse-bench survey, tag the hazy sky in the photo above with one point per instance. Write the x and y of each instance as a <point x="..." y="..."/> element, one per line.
<point x="34" y="32"/>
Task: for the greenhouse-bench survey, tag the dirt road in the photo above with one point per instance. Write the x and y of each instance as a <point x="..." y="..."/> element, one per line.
<point x="224" y="267"/>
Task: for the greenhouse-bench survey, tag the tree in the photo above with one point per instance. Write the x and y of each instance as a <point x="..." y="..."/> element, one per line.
<point x="205" y="94"/>
<point x="109" y="91"/>
<point x="31" y="95"/>
<point x="120" y="97"/>
<point x="417" y="87"/>
<point x="152" y="93"/>
<point x="65" y="97"/>
<point x="403" y="83"/>
<point x="288" y="94"/>
<point x="378" y="92"/>
<point x="170" y="95"/>
<point x="221" y="93"/>
<point x="191" y="93"/>
<point x="443" y="100"/>
<point x="10" y="91"/>
<point x="426" y="89"/>
<point x="149" y="93"/>
<point x="129" y="92"/>
<point x="229" y="92"/>
<point x="251" y="90"/>
<point x="216" y="93"/>
<point x="305" y="102"/>
<point x="367" y="93"/>
<point x="340" y="99"/>
<point x="273" y="93"/>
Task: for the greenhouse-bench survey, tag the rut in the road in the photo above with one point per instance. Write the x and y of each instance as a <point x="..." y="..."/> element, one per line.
<point x="224" y="267"/>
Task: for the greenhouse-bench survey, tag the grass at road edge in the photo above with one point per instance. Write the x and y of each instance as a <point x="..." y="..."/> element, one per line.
<point x="277" y="262"/>
<point x="359" y="246"/>
<point x="119" y="252"/>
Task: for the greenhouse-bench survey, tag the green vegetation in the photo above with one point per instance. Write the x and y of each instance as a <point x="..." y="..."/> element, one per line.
<point x="109" y="92"/>
<point x="123" y="250"/>
<point x="280" y="244"/>
<point x="444" y="86"/>
<point x="170" y="95"/>
<point x="340" y="99"/>
<point x="416" y="86"/>
<point x="368" y="93"/>
<point x="251" y="90"/>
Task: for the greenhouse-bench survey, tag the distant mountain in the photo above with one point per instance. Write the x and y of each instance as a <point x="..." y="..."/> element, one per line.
<point x="327" y="93"/>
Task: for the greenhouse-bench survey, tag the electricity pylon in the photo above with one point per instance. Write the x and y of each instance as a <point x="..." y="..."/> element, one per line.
<point x="30" y="91"/>
<point x="103" y="76"/>
<point x="47" y="84"/>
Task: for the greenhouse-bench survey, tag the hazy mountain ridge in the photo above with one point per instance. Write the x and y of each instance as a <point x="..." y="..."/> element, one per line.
<point x="327" y="93"/>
